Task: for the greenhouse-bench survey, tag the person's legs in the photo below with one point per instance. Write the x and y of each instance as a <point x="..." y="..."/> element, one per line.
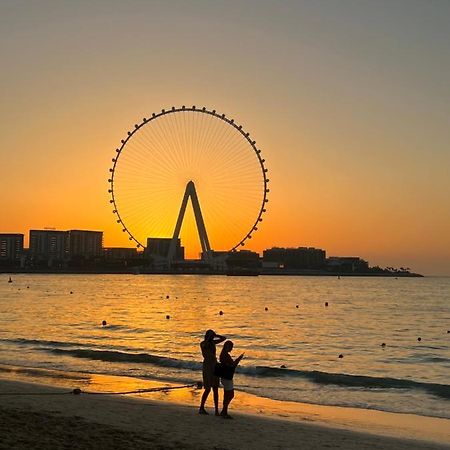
<point x="216" y="399"/>
<point x="227" y="397"/>
<point x="206" y="392"/>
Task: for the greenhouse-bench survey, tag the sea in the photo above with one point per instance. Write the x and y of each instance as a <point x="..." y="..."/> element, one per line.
<point x="363" y="342"/>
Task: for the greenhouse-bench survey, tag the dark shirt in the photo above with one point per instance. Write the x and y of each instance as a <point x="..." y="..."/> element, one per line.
<point x="225" y="358"/>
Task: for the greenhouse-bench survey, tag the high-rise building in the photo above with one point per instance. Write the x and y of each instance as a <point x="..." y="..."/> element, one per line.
<point x="11" y="247"/>
<point x="49" y="245"/>
<point x="84" y="243"/>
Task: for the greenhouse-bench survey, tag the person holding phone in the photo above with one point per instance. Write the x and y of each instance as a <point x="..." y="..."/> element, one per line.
<point x="228" y="367"/>
<point x="210" y="381"/>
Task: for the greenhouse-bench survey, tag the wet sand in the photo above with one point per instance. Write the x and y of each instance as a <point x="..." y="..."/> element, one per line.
<point x="103" y="422"/>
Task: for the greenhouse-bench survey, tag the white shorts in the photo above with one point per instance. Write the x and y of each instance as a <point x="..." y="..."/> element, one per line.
<point x="227" y="384"/>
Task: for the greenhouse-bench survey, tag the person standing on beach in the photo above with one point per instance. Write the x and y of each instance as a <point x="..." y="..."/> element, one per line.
<point x="210" y="381"/>
<point x="229" y="366"/>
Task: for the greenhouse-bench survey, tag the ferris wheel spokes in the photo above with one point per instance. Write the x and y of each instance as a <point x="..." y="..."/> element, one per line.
<point x="174" y="154"/>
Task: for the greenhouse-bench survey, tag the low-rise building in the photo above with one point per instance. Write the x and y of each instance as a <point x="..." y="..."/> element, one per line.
<point x="347" y="264"/>
<point x="119" y="253"/>
<point x="159" y="247"/>
<point x="295" y="258"/>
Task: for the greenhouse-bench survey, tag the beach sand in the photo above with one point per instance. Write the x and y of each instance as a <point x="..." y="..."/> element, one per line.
<point x="84" y="421"/>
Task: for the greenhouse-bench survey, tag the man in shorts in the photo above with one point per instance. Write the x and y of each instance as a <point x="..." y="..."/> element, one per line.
<point x="210" y="381"/>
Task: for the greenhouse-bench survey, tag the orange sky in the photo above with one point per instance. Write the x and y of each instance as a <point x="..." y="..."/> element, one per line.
<point x="349" y="104"/>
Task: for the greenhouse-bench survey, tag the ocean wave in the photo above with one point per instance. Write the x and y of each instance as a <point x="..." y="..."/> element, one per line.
<point x="115" y="356"/>
<point x="347" y="380"/>
<point x="39" y="344"/>
<point x="23" y="341"/>
<point x="314" y="376"/>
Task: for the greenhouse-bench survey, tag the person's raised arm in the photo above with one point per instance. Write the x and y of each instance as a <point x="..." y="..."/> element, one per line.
<point x="218" y="339"/>
<point x="238" y="360"/>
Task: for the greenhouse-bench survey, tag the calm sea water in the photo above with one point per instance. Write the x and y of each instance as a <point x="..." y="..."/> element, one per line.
<point x="44" y="325"/>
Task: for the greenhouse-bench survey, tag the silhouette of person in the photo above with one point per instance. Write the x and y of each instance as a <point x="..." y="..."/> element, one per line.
<point x="210" y="381"/>
<point x="227" y="378"/>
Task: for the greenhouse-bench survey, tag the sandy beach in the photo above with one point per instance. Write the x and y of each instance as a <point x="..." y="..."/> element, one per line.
<point x="101" y="421"/>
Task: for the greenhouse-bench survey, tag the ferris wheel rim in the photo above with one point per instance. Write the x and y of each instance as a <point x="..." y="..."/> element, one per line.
<point x="202" y="110"/>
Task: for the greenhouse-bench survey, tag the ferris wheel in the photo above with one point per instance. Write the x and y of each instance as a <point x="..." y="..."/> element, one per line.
<point x="189" y="153"/>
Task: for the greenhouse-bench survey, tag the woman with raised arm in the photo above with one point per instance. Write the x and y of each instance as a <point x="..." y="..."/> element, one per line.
<point x="210" y="381"/>
<point x="228" y="367"/>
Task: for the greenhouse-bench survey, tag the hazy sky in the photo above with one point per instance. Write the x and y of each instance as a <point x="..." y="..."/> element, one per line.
<point x="348" y="100"/>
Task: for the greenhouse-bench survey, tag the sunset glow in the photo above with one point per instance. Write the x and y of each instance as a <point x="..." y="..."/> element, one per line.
<point x="357" y="152"/>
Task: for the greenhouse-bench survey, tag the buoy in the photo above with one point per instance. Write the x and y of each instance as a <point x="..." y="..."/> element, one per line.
<point x="296" y="306"/>
<point x="9" y="281"/>
<point x="28" y="287"/>
<point x="419" y="339"/>
<point x="104" y="323"/>
<point x="167" y="297"/>
<point x="341" y="356"/>
<point x="167" y="317"/>
<point x="326" y="303"/>
<point x="383" y="344"/>
<point x="220" y="313"/>
<point x="266" y="309"/>
<point x="71" y="292"/>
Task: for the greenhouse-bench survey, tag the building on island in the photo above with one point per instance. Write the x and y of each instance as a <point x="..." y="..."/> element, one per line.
<point x="159" y="248"/>
<point x="119" y="253"/>
<point x="49" y="246"/>
<point x="85" y="244"/>
<point x="294" y="258"/>
<point x="347" y="264"/>
<point x="52" y="247"/>
<point x="11" y="247"/>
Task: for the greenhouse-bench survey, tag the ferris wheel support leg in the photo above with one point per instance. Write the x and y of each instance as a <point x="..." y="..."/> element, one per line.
<point x="202" y="234"/>
<point x="176" y="233"/>
<point x="204" y="241"/>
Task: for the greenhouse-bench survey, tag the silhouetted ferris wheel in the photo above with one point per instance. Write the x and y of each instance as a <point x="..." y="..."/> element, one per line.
<point x="183" y="153"/>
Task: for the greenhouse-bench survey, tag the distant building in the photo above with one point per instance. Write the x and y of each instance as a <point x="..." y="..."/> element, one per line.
<point x="159" y="247"/>
<point x="11" y="247"/>
<point x="120" y="253"/>
<point x="218" y="260"/>
<point x="347" y="264"/>
<point x="49" y="245"/>
<point x="244" y="258"/>
<point x="295" y="258"/>
<point x="85" y="244"/>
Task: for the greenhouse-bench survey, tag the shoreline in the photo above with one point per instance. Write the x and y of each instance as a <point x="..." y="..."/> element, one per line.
<point x="369" y="425"/>
<point x="284" y="273"/>
<point x="97" y="421"/>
